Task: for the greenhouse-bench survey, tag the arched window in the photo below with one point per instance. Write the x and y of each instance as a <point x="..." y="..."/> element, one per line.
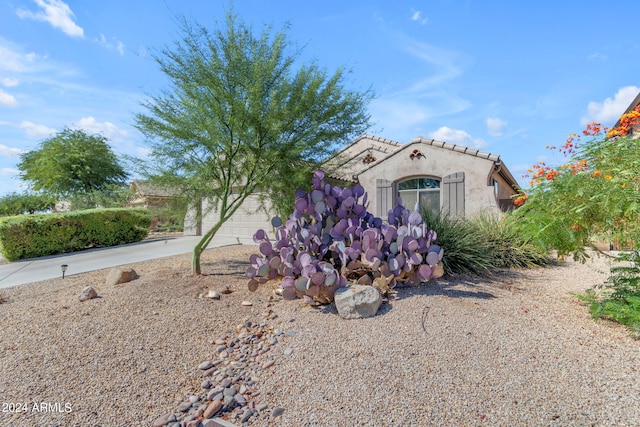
<point x="423" y="191"/>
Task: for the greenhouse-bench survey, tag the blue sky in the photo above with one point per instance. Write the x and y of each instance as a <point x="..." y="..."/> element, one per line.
<point x="504" y="76"/>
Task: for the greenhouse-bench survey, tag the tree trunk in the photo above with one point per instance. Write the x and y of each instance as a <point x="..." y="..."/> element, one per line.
<point x="201" y="246"/>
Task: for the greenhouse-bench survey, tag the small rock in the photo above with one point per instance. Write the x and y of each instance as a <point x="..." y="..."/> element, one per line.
<point x="230" y="391"/>
<point x="119" y="275"/>
<point x="216" y="396"/>
<point x="212" y="409"/>
<point x="205" y="365"/>
<point x="247" y="303"/>
<point x="220" y="341"/>
<point x="227" y="402"/>
<point x="246" y="415"/>
<point x="164" y="420"/>
<point x="186" y="420"/>
<point x="262" y="407"/>
<point x="240" y="399"/>
<point x="288" y="351"/>
<point x="209" y="371"/>
<point x="213" y="295"/>
<point x="278" y="411"/>
<point x="87" y="294"/>
<point x="206" y="384"/>
<point x="184" y="407"/>
<point x="267" y="365"/>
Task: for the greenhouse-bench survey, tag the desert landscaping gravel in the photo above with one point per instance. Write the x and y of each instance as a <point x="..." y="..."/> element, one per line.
<point x="514" y="349"/>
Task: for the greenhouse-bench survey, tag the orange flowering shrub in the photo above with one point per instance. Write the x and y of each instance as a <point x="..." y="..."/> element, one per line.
<point x="592" y="193"/>
<point x="628" y="122"/>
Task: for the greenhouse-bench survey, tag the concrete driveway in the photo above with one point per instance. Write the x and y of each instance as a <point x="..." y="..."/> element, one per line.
<point x="37" y="269"/>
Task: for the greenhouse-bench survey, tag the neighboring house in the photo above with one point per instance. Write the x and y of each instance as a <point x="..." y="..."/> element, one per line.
<point x="149" y="196"/>
<point x="458" y="180"/>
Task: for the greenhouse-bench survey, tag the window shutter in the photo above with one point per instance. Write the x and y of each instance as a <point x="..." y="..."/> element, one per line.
<point x="453" y="194"/>
<point x="384" y="197"/>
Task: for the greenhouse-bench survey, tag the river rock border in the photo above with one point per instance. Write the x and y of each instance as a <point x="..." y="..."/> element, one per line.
<point x="230" y="389"/>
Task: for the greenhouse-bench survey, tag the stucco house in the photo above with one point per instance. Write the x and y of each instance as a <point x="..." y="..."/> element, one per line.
<point x="458" y="180"/>
<point x="150" y="196"/>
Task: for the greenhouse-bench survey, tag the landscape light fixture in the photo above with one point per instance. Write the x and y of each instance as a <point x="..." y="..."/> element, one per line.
<point x="63" y="267"/>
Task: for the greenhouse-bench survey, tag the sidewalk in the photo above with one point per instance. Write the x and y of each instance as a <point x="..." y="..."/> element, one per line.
<point x="36" y="269"/>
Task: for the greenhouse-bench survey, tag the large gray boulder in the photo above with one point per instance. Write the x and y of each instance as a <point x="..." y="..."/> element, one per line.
<point x="357" y="301"/>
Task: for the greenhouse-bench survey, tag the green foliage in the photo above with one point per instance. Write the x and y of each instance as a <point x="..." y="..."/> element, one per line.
<point x="595" y="193"/>
<point x="111" y="196"/>
<point x="482" y="244"/>
<point x="29" y="236"/>
<point x="620" y="299"/>
<point x="71" y="162"/>
<point x="508" y="248"/>
<point x="167" y="219"/>
<point x="26" y="203"/>
<point x="243" y="117"/>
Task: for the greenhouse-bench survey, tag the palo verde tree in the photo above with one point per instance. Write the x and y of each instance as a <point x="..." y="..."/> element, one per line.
<point x="241" y="115"/>
<point x="71" y="163"/>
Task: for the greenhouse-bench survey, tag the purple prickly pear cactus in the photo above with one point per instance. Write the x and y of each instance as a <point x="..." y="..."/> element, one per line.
<point x="331" y="238"/>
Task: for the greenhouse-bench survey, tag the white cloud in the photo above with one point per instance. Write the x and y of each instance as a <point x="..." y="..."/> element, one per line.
<point x="417" y="16"/>
<point x="10" y="151"/>
<point x="14" y="61"/>
<point x="34" y="130"/>
<point x="609" y="111"/>
<point x="10" y="172"/>
<point x="9" y="82"/>
<point x="57" y="13"/>
<point x="107" y="129"/>
<point x="495" y="126"/>
<point x="7" y="100"/>
<point x="404" y="114"/>
<point x="444" y="63"/>
<point x="458" y="137"/>
<point x="113" y="44"/>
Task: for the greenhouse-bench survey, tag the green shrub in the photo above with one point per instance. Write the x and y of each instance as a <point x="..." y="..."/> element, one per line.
<point x="31" y="236"/>
<point x="509" y="248"/>
<point x="482" y="244"/>
<point x="620" y="298"/>
<point x="26" y="203"/>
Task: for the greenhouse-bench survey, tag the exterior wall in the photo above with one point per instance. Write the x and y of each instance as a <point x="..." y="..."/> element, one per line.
<point x="358" y="156"/>
<point x="436" y="162"/>
<point x="238" y="229"/>
<point x="505" y="192"/>
<point x="467" y="190"/>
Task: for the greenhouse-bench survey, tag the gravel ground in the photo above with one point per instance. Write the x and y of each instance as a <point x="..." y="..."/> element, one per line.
<point x="514" y="350"/>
